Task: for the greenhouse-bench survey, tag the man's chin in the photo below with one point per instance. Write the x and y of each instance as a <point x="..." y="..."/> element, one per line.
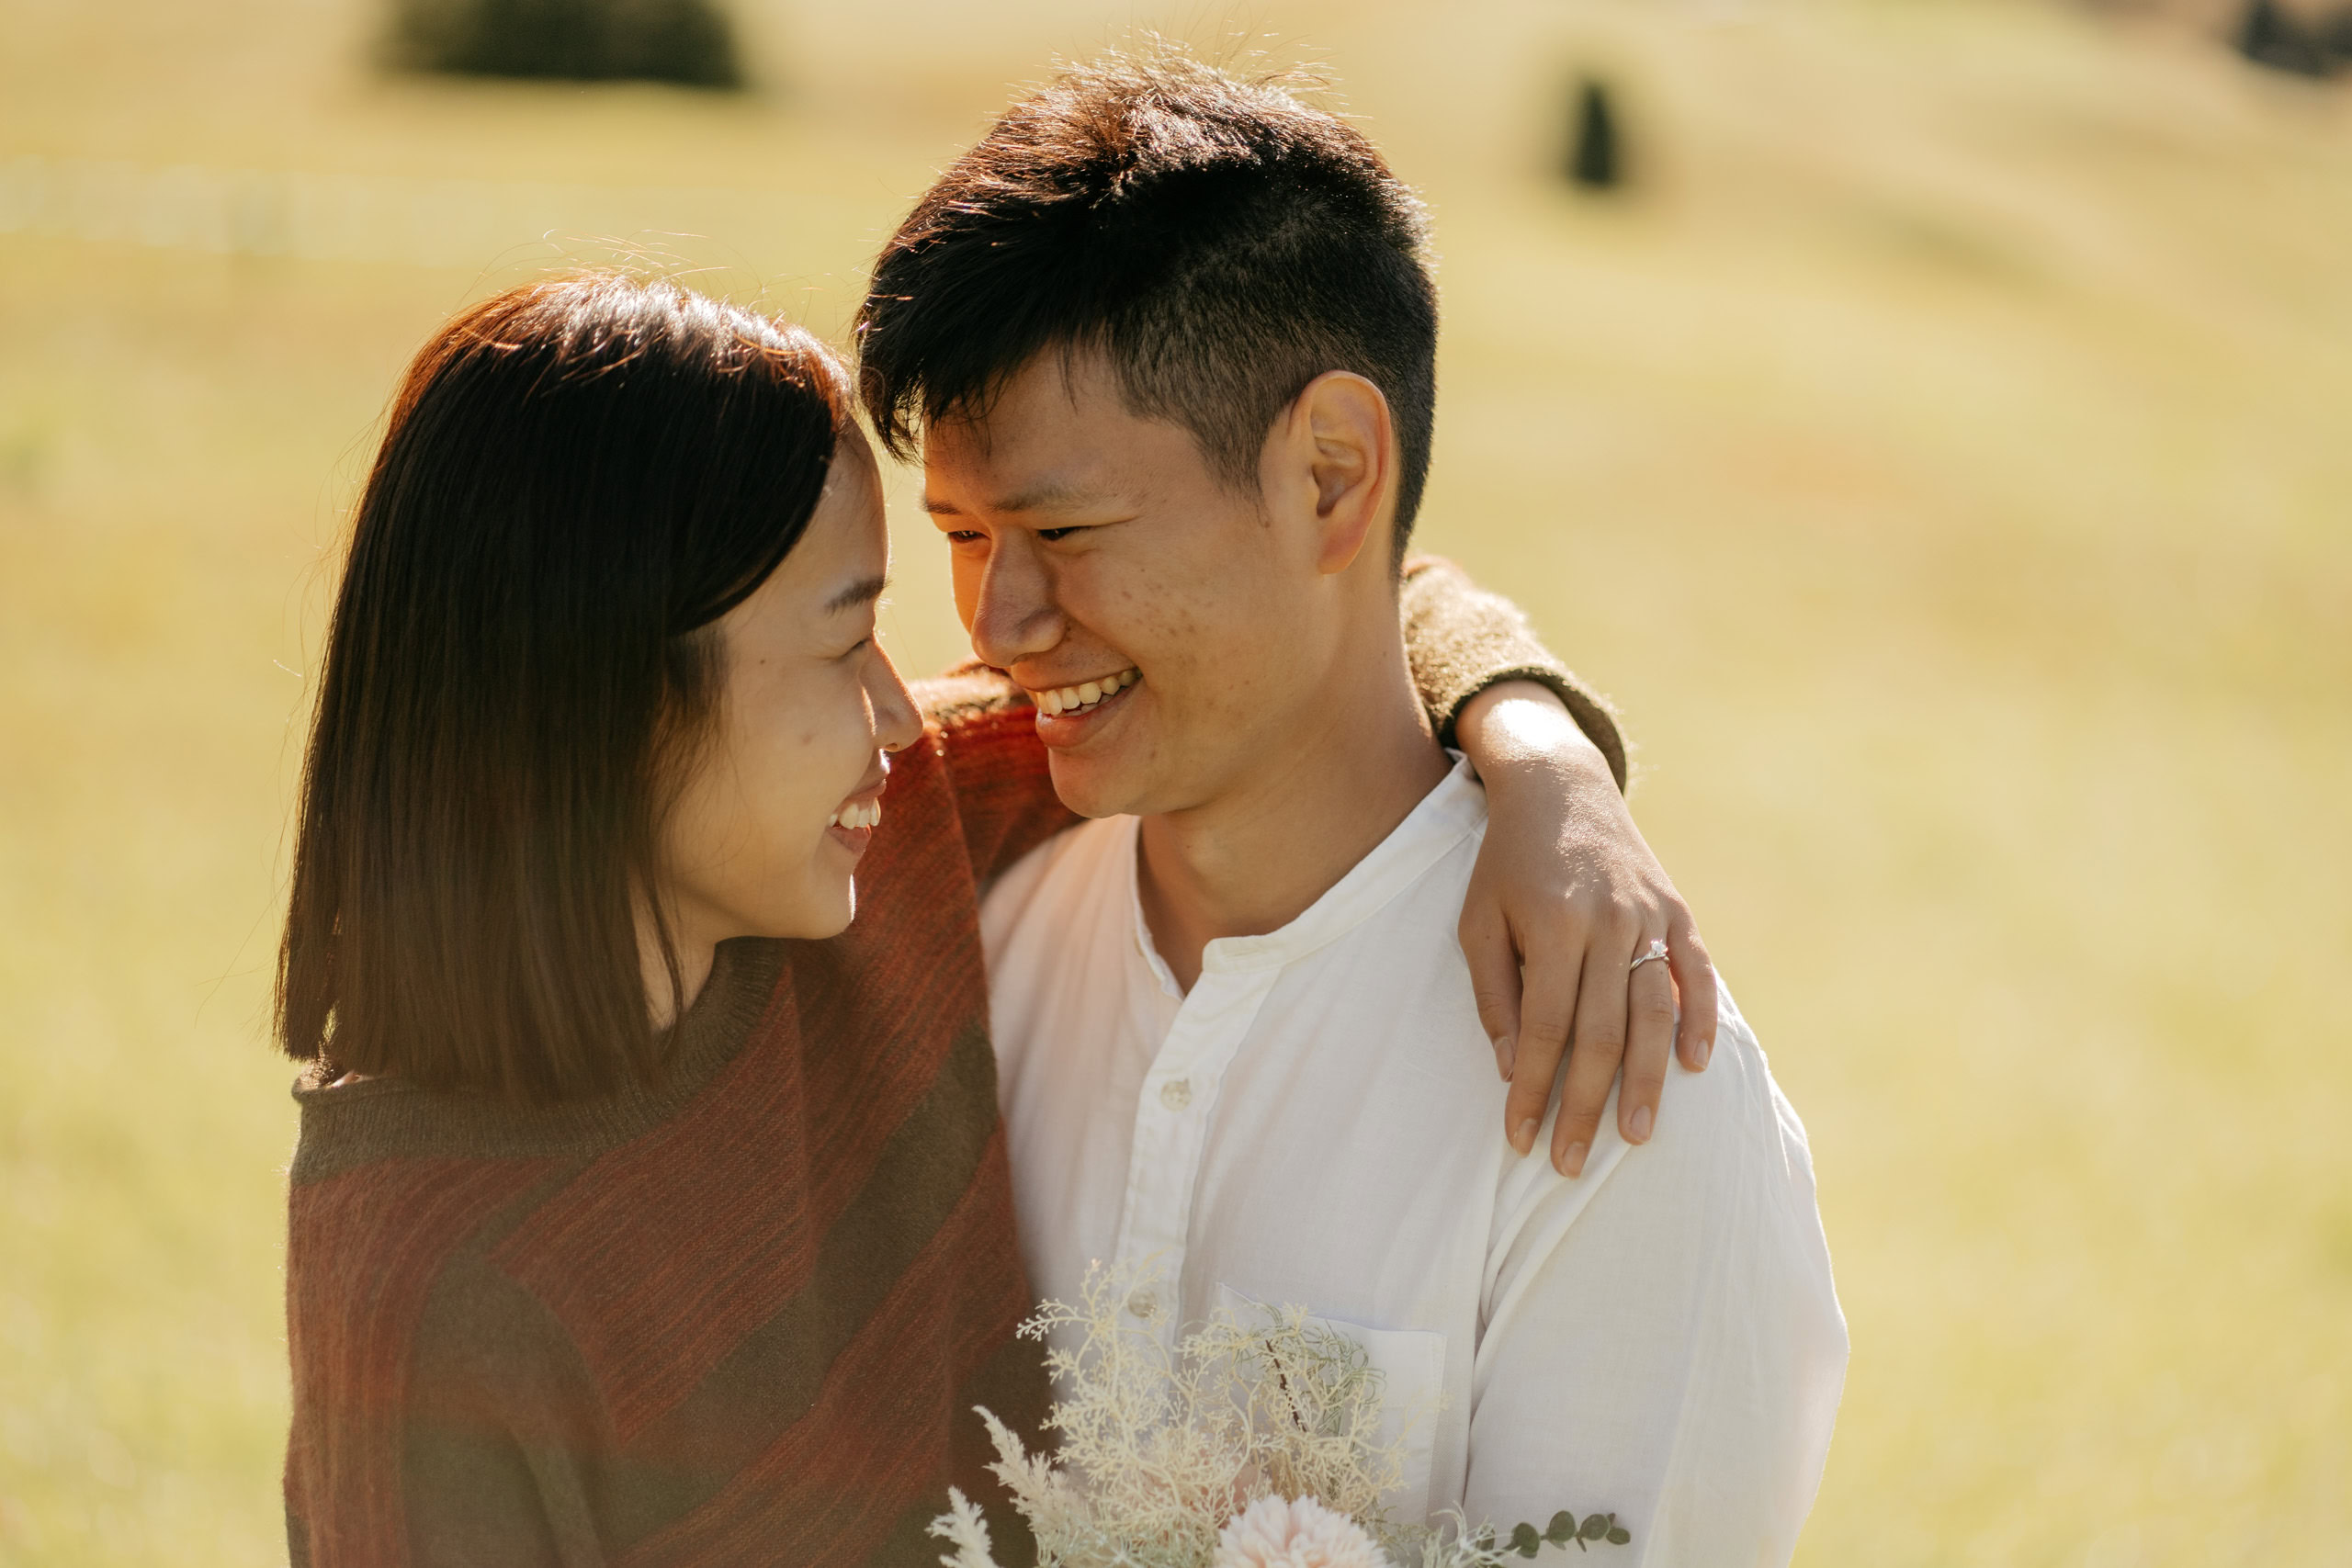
<point x="1096" y="785"/>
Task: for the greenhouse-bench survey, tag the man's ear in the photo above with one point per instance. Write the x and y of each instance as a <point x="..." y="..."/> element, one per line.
<point x="1343" y="429"/>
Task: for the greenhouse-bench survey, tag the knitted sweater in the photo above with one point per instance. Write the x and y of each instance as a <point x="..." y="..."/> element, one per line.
<point x="742" y="1316"/>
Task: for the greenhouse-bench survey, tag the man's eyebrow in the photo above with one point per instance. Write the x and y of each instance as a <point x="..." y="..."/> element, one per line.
<point x="1050" y="495"/>
<point x="862" y="591"/>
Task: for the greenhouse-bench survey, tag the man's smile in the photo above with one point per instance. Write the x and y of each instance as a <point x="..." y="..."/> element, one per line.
<point x="1085" y="694"/>
<point x="1067" y="714"/>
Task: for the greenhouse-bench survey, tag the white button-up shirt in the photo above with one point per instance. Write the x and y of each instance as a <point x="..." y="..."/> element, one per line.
<point x="1317" y="1123"/>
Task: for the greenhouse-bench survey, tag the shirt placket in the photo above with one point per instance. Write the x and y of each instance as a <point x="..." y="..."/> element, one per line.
<point x="1171" y="1138"/>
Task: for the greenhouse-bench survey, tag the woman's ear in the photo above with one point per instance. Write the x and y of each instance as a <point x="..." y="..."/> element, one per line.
<point x="1352" y="459"/>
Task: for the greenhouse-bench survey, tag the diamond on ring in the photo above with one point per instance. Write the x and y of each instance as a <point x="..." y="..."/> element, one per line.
<point x="1658" y="950"/>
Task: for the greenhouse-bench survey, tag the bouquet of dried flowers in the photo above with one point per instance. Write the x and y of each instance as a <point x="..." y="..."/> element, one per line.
<point x="1253" y="1444"/>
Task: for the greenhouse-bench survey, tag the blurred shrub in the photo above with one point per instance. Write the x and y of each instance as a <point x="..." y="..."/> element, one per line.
<point x="686" y="41"/>
<point x="1596" y="144"/>
<point x="2269" y="35"/>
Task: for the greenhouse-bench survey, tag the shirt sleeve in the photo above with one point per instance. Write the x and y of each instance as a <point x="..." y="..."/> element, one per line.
<point x="1662" y="1339"/>
<point x="982" y="729"/>
<point x="1461" y="639"/>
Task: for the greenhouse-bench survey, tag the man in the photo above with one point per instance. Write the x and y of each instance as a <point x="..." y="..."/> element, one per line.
<point x="1169" y="339"/>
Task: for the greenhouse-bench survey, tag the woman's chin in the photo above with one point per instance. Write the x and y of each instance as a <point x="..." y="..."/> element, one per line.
<point x="831" y="915"/>
<point x="838" y="908"/>
<point x="825" y="904"/>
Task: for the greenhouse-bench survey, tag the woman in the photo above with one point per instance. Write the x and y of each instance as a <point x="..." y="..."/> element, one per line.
<point x="620" y="1229"/>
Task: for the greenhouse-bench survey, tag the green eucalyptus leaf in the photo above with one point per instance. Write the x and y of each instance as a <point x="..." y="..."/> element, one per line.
<point x="1595" y="1527"/>
<point x="1562" y="1529"/>
<point x="1618" y="1535"/>
<point x="1523" y="1539"/>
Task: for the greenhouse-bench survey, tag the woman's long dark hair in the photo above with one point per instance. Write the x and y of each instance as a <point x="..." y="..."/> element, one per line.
<point x="579" y="477"/>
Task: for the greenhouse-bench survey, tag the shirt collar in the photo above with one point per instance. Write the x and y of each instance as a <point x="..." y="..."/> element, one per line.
<point x="1447" y="815"/>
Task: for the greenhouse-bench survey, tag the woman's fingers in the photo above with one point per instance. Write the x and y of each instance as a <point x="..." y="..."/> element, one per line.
<point x="1493" y="960"/>
<point x="1561" y="985"/>
<point x="1546" y="1008"/>
<point x="1649" y="1046"/>
<point x="1600" y="1047"/>
<point x="1694" y="979"/>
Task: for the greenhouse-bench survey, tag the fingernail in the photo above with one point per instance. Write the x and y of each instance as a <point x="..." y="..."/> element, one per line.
<point x="1572" y="1163"/>
<point x="1503" y="1053"/>
<point x="1706" y="1049"/>
<point x="1637" y="1131"/>
<point x="1524" y="1139"/>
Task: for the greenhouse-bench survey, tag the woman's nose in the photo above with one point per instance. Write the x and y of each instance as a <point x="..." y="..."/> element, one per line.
<point x="896" y="721"/>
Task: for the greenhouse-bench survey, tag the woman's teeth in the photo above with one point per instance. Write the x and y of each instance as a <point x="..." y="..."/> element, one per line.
<point x="1070" y="699"/>
<point x="857" y="815"/>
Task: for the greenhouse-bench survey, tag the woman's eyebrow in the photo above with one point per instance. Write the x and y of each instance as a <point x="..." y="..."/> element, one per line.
<point x="864" y="591"/>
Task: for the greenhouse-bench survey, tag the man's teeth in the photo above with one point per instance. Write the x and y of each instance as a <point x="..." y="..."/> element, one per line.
<point x="1070" y="699"/>
<point x="857" y="815"/>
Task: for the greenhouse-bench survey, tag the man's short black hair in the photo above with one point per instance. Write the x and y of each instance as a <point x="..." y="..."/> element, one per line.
<point x="1222" y="244"/>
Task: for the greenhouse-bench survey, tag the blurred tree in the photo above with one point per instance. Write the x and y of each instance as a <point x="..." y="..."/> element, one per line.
<point x="687" y="42"/>
<point x="2268" y="36"/>
<point x="2336" y="36"/>
<point x="1595" y="154"/>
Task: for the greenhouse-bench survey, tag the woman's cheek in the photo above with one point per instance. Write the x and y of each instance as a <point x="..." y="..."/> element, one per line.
<point x="834" y="758"/>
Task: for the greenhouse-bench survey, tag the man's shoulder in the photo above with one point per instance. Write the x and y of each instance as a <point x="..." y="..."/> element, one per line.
<point x="1734" y="1105"/>
<point x="1730" y="1118"/>
<point x="1726" y="1136"/>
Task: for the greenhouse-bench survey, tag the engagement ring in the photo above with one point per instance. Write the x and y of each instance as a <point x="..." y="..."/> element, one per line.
<point x="1658" y="950"/>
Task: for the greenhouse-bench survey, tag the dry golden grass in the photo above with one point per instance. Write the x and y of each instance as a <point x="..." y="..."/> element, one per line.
<point x="1939" y="456"/>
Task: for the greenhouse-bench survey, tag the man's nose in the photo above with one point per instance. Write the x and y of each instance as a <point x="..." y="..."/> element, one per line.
<point x="1017" y="616"/>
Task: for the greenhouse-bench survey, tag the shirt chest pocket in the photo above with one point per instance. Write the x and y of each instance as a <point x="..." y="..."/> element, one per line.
<point x="1411" y="1364"/>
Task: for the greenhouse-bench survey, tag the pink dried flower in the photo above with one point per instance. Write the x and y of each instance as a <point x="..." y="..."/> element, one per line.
<point x="1273" y="1533"/>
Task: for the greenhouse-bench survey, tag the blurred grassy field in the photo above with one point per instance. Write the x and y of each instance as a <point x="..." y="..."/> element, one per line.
<point x="1940" y="453"/>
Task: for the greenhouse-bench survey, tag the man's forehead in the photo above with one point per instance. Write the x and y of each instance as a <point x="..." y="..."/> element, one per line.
<point x="1057" y="436"/>
<point x="1004" y="464"/>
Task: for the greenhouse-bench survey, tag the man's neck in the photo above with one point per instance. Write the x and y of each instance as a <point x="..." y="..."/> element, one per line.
<point x="1255" y="858"/>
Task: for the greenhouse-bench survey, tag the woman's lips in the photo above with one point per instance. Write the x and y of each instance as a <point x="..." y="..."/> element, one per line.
<point x="854" y="821"/>
<point x="858" y="815"/>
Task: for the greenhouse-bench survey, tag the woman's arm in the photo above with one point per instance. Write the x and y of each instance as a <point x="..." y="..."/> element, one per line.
<point x="1565" y="895"/>
<point x="1465" y="641"/>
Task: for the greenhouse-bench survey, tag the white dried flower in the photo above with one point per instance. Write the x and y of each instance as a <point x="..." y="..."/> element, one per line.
<point x="963" y="1528"/>
<point x="1158" y="1451"/>
<point x="1275" y="1533"/>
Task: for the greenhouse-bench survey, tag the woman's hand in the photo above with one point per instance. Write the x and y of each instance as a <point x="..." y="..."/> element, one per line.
<point x="1564" y="897"/>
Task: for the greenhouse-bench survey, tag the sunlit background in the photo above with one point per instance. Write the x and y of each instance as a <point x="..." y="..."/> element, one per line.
<point x="1927" y="419"/>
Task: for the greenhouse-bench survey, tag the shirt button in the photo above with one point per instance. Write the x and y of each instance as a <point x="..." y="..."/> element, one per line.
<point x="1143" y="1303"/>
<point x="1176" y="1094"/>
